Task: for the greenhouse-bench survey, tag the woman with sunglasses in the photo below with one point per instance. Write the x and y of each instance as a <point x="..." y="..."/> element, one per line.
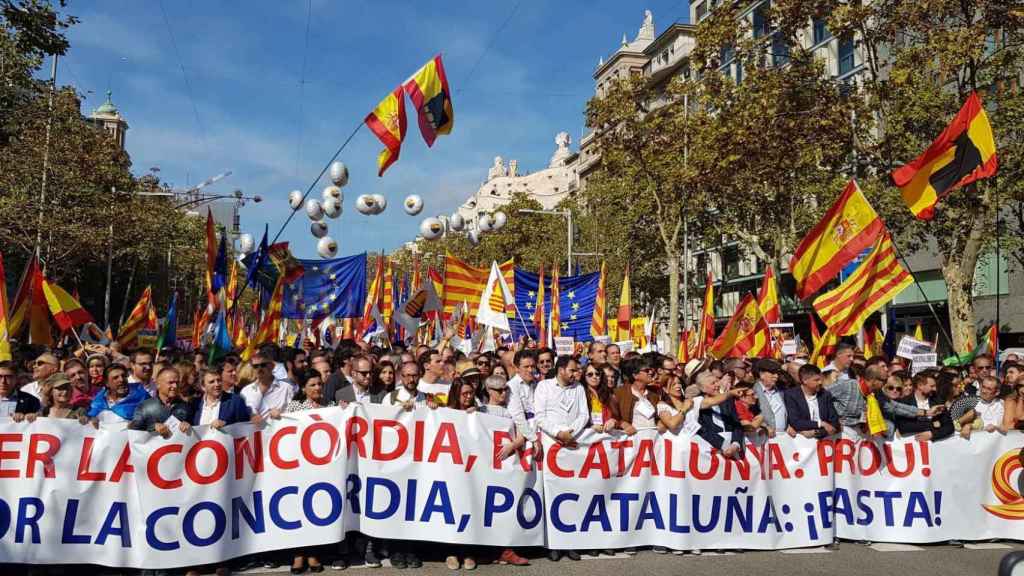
<point x="599" y="398"/>
<point x="56" y="392"/>
<point x="888" y="400"/>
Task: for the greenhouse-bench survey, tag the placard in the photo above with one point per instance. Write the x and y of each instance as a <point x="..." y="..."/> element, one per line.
<point x="564" y="345"/>
<point x="784" y="332"/>
<point x="910" y="346"/>
<point x="923" y="361"/>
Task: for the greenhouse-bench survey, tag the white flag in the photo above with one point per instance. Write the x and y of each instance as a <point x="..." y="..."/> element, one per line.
<point x="494" y="301"/>
<point x="413" y="311"/>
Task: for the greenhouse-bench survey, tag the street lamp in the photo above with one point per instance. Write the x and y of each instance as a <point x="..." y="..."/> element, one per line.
<point x="567" y="214"/>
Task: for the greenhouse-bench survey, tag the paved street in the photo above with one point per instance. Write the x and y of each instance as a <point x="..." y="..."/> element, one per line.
<point x="849" y="560"/>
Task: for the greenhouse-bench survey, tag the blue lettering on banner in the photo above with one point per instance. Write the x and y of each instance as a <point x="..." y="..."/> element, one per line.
<point x="556" y="517"/>
<point x="189" y="524"/>
<point x="275" y="509"/>
<point x="28" y="521"/>
<point x="492" y="507"/>
<point x="438" y="500"/>
<point x="253" y="517"/>
<point x="371" y="496"/>
<point x="336" y="508"/>
<point x="151" y="520"/>
<point x="67" y="535"/>
<point x="118" y="513"/>
<point x="533" y="497"/>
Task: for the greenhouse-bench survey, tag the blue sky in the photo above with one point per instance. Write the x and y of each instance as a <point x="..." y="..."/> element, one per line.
<point x="250" y="112"/>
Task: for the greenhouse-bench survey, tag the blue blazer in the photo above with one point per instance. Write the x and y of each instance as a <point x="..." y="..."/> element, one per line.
<point x="799" y="416"/>
<point x="232" y="409"/>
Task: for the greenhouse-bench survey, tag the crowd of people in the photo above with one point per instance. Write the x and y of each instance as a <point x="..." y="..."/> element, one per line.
<point x="727" y="402"/>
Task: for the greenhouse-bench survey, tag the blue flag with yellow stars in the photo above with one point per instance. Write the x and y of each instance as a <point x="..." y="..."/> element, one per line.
<point x="327" y="288"/>
<point x="578" y="296"/>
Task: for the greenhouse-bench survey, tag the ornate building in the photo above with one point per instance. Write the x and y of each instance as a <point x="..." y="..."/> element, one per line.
<point x="107" y="118"/>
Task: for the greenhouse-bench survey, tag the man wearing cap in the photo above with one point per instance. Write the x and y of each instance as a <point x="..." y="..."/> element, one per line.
<point x="769" y="397"/>
<point x="42" y="367"/>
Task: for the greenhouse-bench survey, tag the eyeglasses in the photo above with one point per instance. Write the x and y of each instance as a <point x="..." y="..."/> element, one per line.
<point x="589" y="374"/>
<point x="500" y="390"/>
<point x="892" y="388"/>
<point x="6" y="376"/>
<point x="650" y="370"/>
<point x="984" y="367"/>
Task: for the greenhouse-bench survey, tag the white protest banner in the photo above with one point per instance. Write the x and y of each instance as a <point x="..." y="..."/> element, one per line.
<point x="625" y="346"/>
<point x="564" y="345"/>
<point x="909" y="346"/>
<point x="604" y="339"/>
<point x="923" y="361"/>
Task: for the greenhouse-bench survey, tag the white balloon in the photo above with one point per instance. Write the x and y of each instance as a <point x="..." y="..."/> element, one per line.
<point x="413" y="204"/>
<point x="332" y="208"/>
<point x="318" y="228"/>
<point x="332" y="192"/>
<point x="365" y="204"/>
<point x="295" y="199"/>
<point x="381" y="203"/>
<point x="457" y="222"/>
<point x="339" y="173"/>
<point x="485" y="223"/>
<point x="474" y="237"/>
<point x="431" y="228"/>
<point x="314" y="209"/>
<point x="327" y="247"/>
<point x="500" y="219"/>
<point x="246" y="243"/>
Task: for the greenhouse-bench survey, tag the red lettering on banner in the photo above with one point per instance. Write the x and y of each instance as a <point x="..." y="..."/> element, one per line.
<point x="84" y="474"/>
<point x="249" y="451"/>
<point x="741" y="466"/>
<point x="44" y="457"/>
<point x="220" y="453"/>
<point x="776" y="462"/>
<point x="498" y="440"/>
<point x="890" y="464"/>
<point x="552" y="458"/>
<point x="621" y="446"/>
<point x="355" y="431"/>
<point x="417" y="441"/>
<point x="826" y="454"/>
<point x="644" y="459"/>
<point x="669" y="454"/>
<point x="873" y="453"/>
<point x="124" y="464"/>
<point x="275" y="455"/>
<point x="378" y="433"/>
<point x="306" y="443"/>
<point x="597" y="459"/>
<point x="153" y="467"/>
<point x="758" y="453"/>
<point x="446" y="442"/>
<point x="8" y="455"/>
<point x="695" y="463"/>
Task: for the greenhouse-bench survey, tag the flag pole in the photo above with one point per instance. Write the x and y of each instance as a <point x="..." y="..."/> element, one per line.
<point x="995" y="201"/>
<point x="931" y="308"/>
<point x="520" y="315"/>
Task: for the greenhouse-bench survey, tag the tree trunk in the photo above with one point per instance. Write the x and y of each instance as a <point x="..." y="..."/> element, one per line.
<point x="672" y="260"/>
<point x="958" y="271"/>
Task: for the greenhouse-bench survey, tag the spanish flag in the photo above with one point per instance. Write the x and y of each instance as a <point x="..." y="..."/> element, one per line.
<point x="877" y="280"/>
<point x="872" y="341"/>
<point x="963" y="153"/>
<point x="540" y="319"/>
<point x="824" y="347"/>
<point x="597" y="322"/>
<point x="746" y="334"/>
<point x="5" y="333"/>
<point x="465" y="283"/>
<point x="706" y="333"/>
<point x="428" y="89"/>
<point x="625" y="313"/>
<point x="555" y="328"/>
<point x="137" y="320"/>
<point x="66" y="310"/>
<point x="387" y="122"/>
<point x="849" y="226"/>
<point x="373" y="298"/>
<point x="768" y="297"/>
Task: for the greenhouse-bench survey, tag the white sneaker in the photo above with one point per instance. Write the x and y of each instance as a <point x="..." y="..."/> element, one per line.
<point x="695" y="551"/>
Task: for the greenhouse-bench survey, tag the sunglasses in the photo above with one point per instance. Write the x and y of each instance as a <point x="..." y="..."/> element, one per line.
<point x="589" y="374"/>
<point x="261" y="365"/>
<point x="893" y="388"/>
<point x="502" y="390"/>
<point x="482" y="363"/>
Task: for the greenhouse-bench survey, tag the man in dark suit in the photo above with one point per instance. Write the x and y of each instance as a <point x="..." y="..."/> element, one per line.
<point x="361" y="389"/>
<point x="932" y="421"/>
<point x="342" y="377"/>
<point x="810" y="410"/>
<point x="719" y="425"/>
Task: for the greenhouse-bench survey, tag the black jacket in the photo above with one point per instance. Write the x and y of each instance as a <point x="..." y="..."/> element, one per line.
<point x="940" y="426"/>
<point x="153" y="411"/>
<point x="24" y="403"/>
<point x="711" y="432"/>
<point x="798" y="415"/>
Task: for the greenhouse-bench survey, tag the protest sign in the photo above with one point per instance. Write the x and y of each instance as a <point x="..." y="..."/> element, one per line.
<point x="909" y="346"/>
<point x="784" y="333"/>
<point x="625" y="346"/>
<point x="922" y="361"/>
<point x="563" y="345"/>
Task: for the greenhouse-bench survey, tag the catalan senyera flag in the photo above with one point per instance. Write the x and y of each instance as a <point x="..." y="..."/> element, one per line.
<point x="963" y="153"/>
<point x="5" y="332"/>
<point x="706" y="332"/>
<point x="768" y="297"/>
<point x="270" y="328"/>
<point x="373" y="297"/>
<point x="429" y="92"/>
<point x="873" y="341"/>
<point x="624" y="316"/>
<point x="387" y="301"/>
<point x="18" y="311"/>
<point x="824" y="348"/>
<point x="417" y="279"/>
<point x="597" y="323"/>
<point x="746" y="334"/>
<point x="877" y="280"/>
<point x="66" y="310"/>
<point x="232" y="289"/>
<point x="387" y="122"/>
<point x="540" y="317"/>
<point x="128" y="334"/>
<point x="465" y="283"/>
<point x="849" y="226"/>
<point x="555" y="325"/>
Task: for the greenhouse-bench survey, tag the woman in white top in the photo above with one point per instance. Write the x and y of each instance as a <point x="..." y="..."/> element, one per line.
<point x="677" y="413"/>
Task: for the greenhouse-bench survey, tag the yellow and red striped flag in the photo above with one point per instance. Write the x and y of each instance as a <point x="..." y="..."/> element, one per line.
<point x="416" y="278"/>
<point x="872" y="341"/>
<point x="211" y="254"/>
<point x="373" y="298"/>
<point x="849" y="226"/>
<point x="66" y="309"/>
<point x="597" y="322"/>
<point x="706" y="333"/>
<point x="540" y="319"/>
<point x="387" y="122"/>
<point x="387" y="301"/>
<point x="18" y="312"/>
<point x="270" y="328"/>
<point x="877" y="280"/>
<point x="768" y="297"/>
<point x="746" y="334"/>
<point x="5" y="333"/>
<point x="992" y="341"/>
<point x="624" y="316"/>
<point x="128" y="334"/>
<point x="556" y="307"/>
<point x="465" y="283"/>
<point x="683" y="352"/>
<point x="824" y="346"/>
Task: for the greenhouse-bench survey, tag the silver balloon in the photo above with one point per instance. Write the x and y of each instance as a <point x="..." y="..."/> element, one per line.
<point x="413" y="204"/>
<point x="500" y="219"/>
<point x="246" y="243"/>
<point x="485" y="223"/>
<point x="314" y="209"/>
<point x="332" y="192"/>
<point x="339" y="173"/>
<point x="295" y="199"/>
<point x="457" y="222"/>
<point x="474" y="237"/>
<point x="327" y="247"/>
<point x="381" y="203"/>
<point x="332" y="207"/>
<point x="431" y="228"/>
<point x="318" y="228"/>
<point x="365" y="204"/>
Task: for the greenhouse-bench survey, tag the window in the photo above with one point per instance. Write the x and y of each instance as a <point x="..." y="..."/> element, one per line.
<point x="762" y="24"/>
<point x="725" y="54"/>
<point x="821" y="32"/>
<point x="701" y="11"/>
<point x="847" y="61"/>
<point x="739" y="73"/>
<point x="731" y="255"/>
<point x="780" y="51"/>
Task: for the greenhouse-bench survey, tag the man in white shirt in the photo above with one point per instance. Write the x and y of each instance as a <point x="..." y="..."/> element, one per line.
<point x="432" y="381"/>
<point x="406" y="394"/>
<point x="43" y="366"/>
<point x="521" y="393"/>
<point x="769" y="397"/>
<point x="142" y="370"/>
<point x="988" y="412"/>
<point x="267" y="396"/>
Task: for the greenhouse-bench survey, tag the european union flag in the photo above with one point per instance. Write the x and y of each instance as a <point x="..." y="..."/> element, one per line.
<point x="327" y="288"/>
<point x="578" y="296"/>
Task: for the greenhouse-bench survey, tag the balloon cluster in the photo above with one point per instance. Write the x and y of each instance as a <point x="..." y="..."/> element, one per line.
<point x="329" y="205"/>
<point x="435" y="227"/>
